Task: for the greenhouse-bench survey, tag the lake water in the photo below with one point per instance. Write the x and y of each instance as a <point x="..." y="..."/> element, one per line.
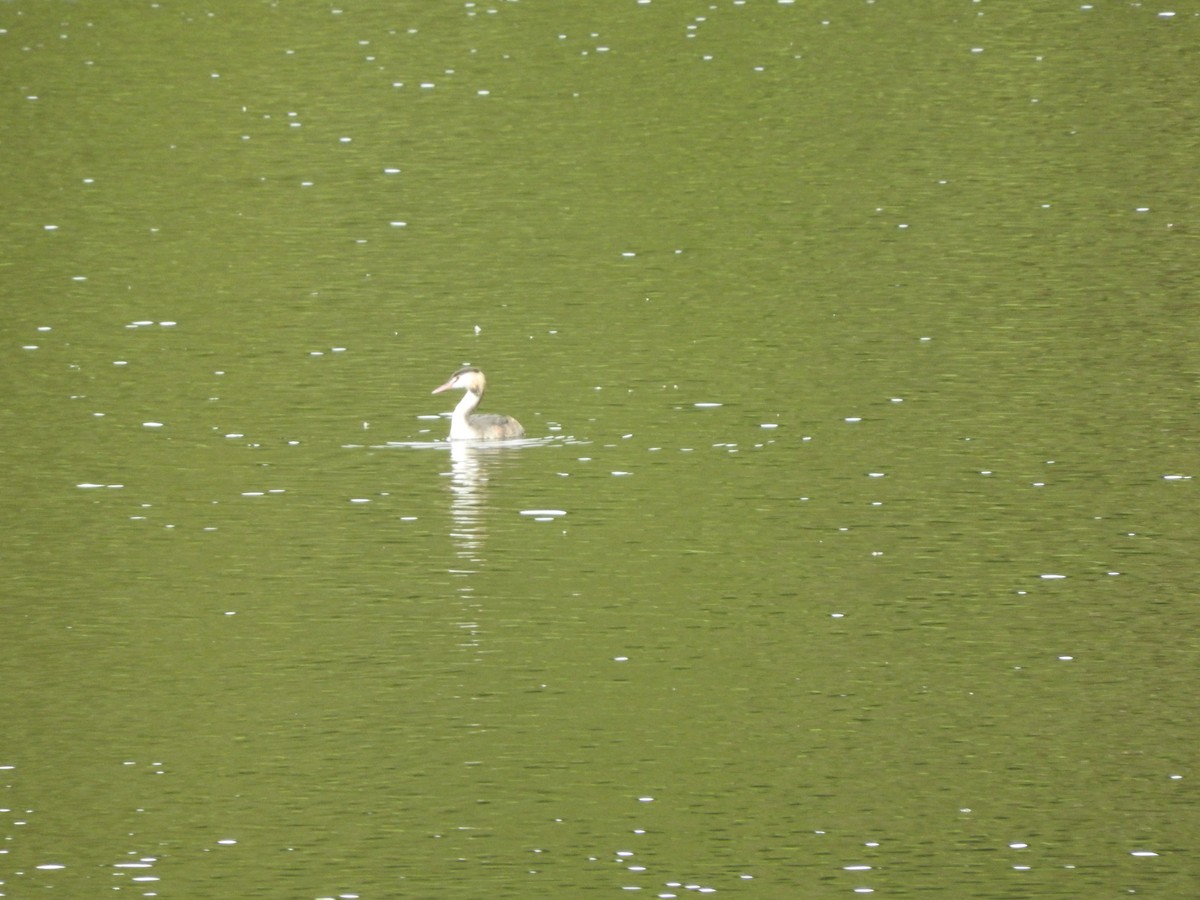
<point x="853" y="547"/>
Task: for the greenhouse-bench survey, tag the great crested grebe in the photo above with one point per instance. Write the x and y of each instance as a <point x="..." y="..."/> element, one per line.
<point x="483" y="427"/>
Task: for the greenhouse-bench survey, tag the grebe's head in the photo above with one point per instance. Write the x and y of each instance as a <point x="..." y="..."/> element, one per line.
<point x="467" y="378"/>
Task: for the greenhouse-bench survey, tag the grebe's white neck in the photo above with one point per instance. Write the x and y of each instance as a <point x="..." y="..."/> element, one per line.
<point x="460" y="425"/>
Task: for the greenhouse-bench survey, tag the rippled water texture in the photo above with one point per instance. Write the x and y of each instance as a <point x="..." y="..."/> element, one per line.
<point x="852" y="547"/>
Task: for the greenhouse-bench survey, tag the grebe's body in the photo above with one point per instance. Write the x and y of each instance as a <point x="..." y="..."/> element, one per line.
<point x="465" y="424"/>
